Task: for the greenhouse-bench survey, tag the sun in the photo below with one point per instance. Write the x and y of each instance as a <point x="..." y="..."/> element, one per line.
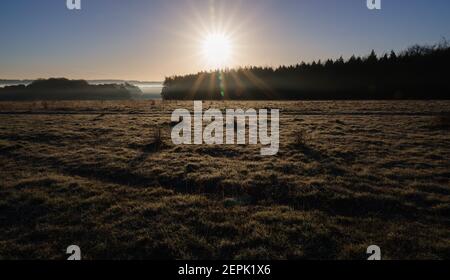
<point x="217" y="50"/>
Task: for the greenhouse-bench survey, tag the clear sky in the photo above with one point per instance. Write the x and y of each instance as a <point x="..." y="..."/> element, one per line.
<point x="151" y="39"/>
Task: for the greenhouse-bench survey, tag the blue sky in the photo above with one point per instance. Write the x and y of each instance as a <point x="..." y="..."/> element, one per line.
<point x="151" y="39"/>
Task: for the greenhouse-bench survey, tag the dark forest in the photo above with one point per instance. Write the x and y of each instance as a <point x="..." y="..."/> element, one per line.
<point x="416" y="73"/>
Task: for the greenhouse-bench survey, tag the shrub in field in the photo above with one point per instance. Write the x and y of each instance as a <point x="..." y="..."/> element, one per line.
<point x="301" y="138"/>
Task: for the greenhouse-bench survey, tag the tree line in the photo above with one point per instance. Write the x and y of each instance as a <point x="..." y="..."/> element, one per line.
<point x="64" y="89"/>
<point x="418" y="72"/>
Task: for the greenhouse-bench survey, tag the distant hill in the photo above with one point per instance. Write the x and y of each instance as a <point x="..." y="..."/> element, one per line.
<point x="65" y="89"/>
<point x="416" y="73"/>
<point x="92" y="82"/>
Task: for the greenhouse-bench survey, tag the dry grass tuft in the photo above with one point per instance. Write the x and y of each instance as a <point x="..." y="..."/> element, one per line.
<point x="157" y="142"/>
<point x="301" y="138"/>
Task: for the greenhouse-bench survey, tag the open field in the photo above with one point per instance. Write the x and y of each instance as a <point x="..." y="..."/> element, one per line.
<point x="348" y="175"/>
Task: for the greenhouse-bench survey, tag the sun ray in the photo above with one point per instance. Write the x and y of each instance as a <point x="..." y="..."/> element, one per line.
<point x="197" y="84"/>
<point x="259" y="83"/>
